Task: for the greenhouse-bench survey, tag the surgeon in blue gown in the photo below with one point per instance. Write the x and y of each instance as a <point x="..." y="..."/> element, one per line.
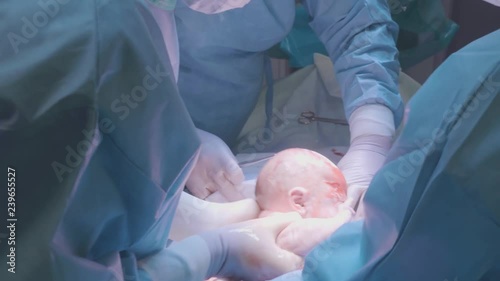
<point x="98" y="145"/>
<point x="222" y="69"/>
<point x="432" y="211"/>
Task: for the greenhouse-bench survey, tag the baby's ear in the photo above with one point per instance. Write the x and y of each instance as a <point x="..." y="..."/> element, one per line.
<point x="297" y="198"/>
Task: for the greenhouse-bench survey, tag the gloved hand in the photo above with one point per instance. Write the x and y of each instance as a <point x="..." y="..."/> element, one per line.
<point x="248" y="251"/>
<point x="215" y="6"/>
<point x="372" y="131"/>
<point x="244" y="251"/>
<point x="302" y="236"/>
<point x="216" y="170"/>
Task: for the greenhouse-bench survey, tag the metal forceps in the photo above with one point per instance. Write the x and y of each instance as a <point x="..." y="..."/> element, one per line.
<point x="307" y="117"/>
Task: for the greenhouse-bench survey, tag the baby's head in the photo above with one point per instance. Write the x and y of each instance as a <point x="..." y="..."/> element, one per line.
<point x="301" y="180"/>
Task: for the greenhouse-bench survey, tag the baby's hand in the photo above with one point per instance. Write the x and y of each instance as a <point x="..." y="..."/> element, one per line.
<point x="345" y="212"/>
<point x="302" y="236"/>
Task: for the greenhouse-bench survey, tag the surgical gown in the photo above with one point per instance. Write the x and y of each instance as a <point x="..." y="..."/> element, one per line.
<point x="223" y="56"/>
<point x="432" y="211"/>
<point x="99" y="139"/>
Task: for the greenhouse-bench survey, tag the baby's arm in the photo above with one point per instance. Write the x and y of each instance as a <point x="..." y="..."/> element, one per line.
<point x="194" y="215"/>
<point x="302" y="236"/>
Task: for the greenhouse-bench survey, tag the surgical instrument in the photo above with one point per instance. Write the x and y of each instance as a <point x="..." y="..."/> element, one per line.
<point x="307" y="117"/>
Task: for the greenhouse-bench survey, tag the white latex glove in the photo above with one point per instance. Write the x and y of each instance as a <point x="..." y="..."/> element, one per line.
<point x="493" y="2"/>
<point x="215" y="6"/>
<point x="216" y="170"/>
<point x="372" y="131"/>
<point x="302" y="236"/>
<point x="246" y="251"/>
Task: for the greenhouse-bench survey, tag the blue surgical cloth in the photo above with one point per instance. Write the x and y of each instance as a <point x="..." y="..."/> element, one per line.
<point x="432" y="211"/>
<point x="100" y="140"/>
<point x="222" y="57"/>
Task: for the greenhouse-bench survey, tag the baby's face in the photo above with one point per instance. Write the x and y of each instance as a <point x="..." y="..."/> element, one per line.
<point x="301" y="180"/>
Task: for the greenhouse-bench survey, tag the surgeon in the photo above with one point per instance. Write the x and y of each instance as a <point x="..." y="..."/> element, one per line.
<point x="223" y="65"/>
<point x="432" y="211"/>
<point x="82" y="85"/>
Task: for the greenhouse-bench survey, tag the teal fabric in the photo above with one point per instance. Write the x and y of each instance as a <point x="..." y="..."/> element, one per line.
<point x="168" y="5"/>
<point x="102" y="144"/>
<point x="432" y="211"/>
<point x="424" y="30"/>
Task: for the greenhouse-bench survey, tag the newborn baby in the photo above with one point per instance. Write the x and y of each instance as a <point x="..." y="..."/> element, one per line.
<point x="294" y="180"/>
<point x="303" y="181"/>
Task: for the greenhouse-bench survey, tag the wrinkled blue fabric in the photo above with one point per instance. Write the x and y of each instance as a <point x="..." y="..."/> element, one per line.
<point x="99" y="174"/>
<point x="424" y="31"/>
<point x="432" y="211"/>
<point x="222" y="57"/>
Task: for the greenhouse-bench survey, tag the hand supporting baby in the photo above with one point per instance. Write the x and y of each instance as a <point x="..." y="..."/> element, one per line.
<point x="302" y="236"/>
